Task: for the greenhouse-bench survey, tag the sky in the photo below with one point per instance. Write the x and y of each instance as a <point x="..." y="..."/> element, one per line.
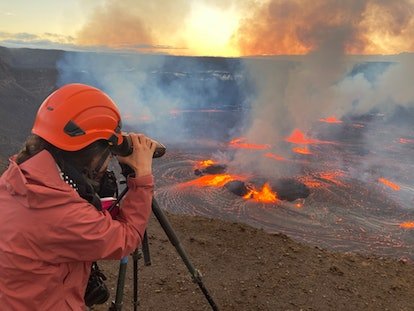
<point x="230" y="28"/>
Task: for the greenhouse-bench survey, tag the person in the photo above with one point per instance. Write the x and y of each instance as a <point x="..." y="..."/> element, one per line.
<point x="52" y="224"/>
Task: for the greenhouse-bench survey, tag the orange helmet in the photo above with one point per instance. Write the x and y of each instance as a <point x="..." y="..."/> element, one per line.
<point x="77" y="115"/>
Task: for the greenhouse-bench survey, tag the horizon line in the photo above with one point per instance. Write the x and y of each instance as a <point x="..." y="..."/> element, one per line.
<point x="108" y="50"/>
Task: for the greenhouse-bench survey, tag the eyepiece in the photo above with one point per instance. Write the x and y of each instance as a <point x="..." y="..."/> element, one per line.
<point x="125" y="149"/>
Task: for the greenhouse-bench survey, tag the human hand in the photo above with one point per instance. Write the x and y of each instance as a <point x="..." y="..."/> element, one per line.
<point x="140" y="160"/>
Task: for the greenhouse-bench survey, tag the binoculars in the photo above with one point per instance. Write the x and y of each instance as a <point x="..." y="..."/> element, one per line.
<point x="125" y="149"/>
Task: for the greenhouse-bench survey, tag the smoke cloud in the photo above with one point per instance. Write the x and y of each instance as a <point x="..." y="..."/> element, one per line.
<point x="295" y="92"/>
<point x="136" y="25"/>
<point x="286" y="27"/>
<point x="177" y="100"/>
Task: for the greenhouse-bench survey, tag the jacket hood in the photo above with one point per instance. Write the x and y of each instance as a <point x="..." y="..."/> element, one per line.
<point x="36" y="183"/>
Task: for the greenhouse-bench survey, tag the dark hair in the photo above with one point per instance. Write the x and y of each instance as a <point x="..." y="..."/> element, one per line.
<point x="33" y="145"/>
<point x="81" y="159"/>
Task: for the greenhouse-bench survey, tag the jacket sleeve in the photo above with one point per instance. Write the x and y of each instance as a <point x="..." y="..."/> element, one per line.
<point x="88" y="235"/>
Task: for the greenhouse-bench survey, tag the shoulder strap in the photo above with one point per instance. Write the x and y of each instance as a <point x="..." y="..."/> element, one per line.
<point x="78" y="182"/>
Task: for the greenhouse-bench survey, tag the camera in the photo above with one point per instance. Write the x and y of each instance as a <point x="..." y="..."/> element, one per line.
<point x="125" y="149"/>
<point x="96" y="291"/>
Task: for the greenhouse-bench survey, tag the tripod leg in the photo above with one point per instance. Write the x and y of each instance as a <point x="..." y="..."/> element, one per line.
<point x="117" y="304"/>
<point x="145" y="250"/>
<point x="136" y="255"/>
<point x="165" y="224"/>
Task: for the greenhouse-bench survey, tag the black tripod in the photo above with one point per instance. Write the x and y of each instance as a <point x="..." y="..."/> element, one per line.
<point x="166" y="226"/>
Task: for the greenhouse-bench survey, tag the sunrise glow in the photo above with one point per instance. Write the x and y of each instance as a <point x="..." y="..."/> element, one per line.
<point x="209" y="28"/>
<point x="209" y="31"/>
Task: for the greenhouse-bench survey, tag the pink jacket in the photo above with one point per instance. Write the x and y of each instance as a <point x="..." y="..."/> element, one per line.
<point x="49" y="235"/>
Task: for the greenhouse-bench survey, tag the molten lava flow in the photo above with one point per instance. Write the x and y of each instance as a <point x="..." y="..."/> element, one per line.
<point x="240" y="143"/>
<point x="301" y="150"/>
<point x="389" y="183"/>
<point x="330" y="119"/>
<point x="407" y="225"/>
<point x="299" y="205"/>
<point x="213" y="180"/>
<point x="265" y="195"/>
<point x="332" y="177"/>
<point x="297" y="137"/>
<point x="310" y="182"/>
<point x="406" y="141"/>
<point x="321" y="179"/>
<point x="274" y="156"/>
<point x="206" y="163"/>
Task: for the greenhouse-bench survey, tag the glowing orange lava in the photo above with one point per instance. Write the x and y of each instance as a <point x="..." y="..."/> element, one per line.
<point x="407" y="225"/>
<point x="301" y="150"/>
<point x="297" y="137"/>
<point x="331" y="119"/>
<point x="265" y="195"/>
<point x="322" y="179"/>
<point x="206" y="163"/>
<point x="311" y="183"/>
<point x="332" y="176"/>
<point x="274" y="156"/>
<point x="298" y="205"/>
<point x="213" y="180"/>
<point x="406" y="141"/>
<point x="240" y="143"/>
<point x="389" y="183"/>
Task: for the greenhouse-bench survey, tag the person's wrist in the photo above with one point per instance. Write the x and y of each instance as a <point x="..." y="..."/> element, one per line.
<point x="142" y="172"/>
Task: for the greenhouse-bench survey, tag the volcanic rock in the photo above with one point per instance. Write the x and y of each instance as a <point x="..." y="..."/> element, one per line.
<point x="290" y="189"/>
<point x="237" y="187"/>
<point x="211" y="169"/>
<point x="26" y="78"/>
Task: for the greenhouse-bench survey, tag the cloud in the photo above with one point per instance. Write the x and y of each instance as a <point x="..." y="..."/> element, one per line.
<point x="141" y="24"/>
<point x="61" y="42"/>
<point x="301" y="26"/>
<point x="118" y="26"/>
<point x="44" y="41"/>
<point x="8" y="13"/>
<point x="23" y="36"/>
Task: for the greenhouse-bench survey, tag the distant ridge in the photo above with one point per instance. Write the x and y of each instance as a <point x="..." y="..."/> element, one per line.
<point x="30" y="58"/>
<point x="26" y="78"/>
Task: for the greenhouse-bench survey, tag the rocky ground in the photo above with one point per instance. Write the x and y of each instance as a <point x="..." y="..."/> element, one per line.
<point x="249" y="269"/>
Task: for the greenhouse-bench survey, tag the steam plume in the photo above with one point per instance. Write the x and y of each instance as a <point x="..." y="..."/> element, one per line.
<point x="135" y="24"/>
<point x="299" y="27"/>
<point x="318" y="84"/>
